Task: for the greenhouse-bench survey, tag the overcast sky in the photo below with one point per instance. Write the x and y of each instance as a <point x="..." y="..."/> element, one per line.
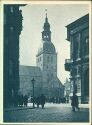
<point x="59" y="16"/>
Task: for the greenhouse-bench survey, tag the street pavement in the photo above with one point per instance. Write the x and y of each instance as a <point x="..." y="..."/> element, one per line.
<point x="51" y="113"/>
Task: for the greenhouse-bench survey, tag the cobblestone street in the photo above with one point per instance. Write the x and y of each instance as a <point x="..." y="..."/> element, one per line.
<point x="51" y="113"/>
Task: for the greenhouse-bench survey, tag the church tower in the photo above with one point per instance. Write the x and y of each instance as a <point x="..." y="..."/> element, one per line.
<point x="46" y="59"/>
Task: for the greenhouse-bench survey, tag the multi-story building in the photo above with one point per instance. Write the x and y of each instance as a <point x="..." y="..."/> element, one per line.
<point x="78" y="64"/>
<point x="12" y="30"/>
<point x="67" y="90"/>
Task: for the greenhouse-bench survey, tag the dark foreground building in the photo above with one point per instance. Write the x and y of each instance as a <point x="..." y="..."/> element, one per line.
<point x="78" y="64"/>
<point x="12" y="30"/>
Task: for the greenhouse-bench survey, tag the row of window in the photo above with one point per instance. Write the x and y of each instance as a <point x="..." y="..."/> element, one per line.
<point x="76" y="46"/>
<point x="50" y="67"/>
<point x="49" y="59"/>
<point x="76" y="71"/>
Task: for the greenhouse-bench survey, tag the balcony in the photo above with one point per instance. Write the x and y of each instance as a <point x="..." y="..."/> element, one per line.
<point x="68" y="63"/>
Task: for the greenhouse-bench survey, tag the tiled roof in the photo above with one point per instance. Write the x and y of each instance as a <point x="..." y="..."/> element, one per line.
<point x="29" y="70"/>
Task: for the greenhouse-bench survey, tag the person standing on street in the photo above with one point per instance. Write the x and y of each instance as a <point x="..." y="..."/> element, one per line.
<point x="25" y="100"/>
<point x="38" y="101"/>
<point x="74" y="102"/>
<point x="42" y="100"/>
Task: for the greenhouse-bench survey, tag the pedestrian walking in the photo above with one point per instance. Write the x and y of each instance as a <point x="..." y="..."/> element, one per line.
<point x="74" y="102"/>
<point x="25" y="99"/>
<point x="20" y="100"/>
<point x="42" y="100"/>
<point x="38" y="101"/>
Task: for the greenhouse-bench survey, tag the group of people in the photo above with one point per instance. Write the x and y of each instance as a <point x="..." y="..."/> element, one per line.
<point x="21" y="100"/>
<point x="40" y="100"/>
<point x="56" y="100"/>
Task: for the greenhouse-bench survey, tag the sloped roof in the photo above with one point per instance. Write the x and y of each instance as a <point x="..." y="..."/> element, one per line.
<point x="29" y="70"/>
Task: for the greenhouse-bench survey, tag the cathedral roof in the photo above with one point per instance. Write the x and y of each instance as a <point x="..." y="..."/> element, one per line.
<point x="29" y="70"/>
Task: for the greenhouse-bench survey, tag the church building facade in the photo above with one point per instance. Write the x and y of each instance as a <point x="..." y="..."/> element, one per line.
<point x="45" y="71"/>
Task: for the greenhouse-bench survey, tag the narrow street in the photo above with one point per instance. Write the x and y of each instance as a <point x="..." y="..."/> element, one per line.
<point x="51" y="113"/>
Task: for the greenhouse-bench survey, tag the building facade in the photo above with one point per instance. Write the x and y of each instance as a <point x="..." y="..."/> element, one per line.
<point x="78" y="64"/>
<point x="46" y="59"/>
<point x="26" y="74"/>
<point x="44" y="73"/>
<point x="12" y="30"/>
<point x="67" y="90"/>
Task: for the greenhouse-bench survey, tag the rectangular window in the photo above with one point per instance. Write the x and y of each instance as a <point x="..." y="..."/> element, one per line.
<point x="86" y="46"/>
<point x="75" y="46"/>
<point x="79" y="54"/>
<point x="48" y="59"/>
<point x="11" y="9"/>
<point x="40" y="58"/>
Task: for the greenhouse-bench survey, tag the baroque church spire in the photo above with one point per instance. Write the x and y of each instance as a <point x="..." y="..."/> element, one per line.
<point x="46" y="19"/>
<point x="47" y="47"/>
<point x="46" y="34"/>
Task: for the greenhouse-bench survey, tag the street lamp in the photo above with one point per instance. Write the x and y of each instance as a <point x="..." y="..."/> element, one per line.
<point x="33" y="80"/>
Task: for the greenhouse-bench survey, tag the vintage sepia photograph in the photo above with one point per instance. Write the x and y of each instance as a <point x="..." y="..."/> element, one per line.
<point x="46" y="63"/>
